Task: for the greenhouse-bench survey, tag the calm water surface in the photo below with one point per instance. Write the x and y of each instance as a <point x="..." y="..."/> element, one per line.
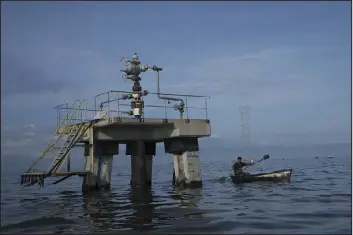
<point x="318" y="200"/>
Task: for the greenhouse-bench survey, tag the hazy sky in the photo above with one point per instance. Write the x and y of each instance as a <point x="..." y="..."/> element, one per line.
<point x="290" y="61"/>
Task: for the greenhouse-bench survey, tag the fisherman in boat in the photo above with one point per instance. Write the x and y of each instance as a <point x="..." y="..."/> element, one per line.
<point x="238" y="167"/>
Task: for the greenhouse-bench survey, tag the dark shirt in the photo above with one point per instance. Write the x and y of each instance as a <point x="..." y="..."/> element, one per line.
<point x="237" y="167"/>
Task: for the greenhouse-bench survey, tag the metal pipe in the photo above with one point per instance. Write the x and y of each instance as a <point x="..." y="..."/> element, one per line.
<point x="57" y="117"/>
<point x="85" y="111"/>
<point x="187" y="109"/>
<point x="95" y="106"/>
<point x="109" y="104"/>
<point x="95" y="100"/>
<point x="179" y="107"/>
<point x="58" y="113"/>
<point x="150" y="106"/>
<point x="165" y="97"/>
<point x="118" y="104"/>
<point x="206" y="108"/>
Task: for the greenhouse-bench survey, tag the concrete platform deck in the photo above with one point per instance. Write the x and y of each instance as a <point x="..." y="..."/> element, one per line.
<point x="148" y="129"/>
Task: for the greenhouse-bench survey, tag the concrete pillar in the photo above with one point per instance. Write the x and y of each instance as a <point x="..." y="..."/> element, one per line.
<point x="104" y="172"/>
<point x="187" y="171"/>
<point x="179" y="175"/>
<point x="185" y="160"/>
<point x="141" y="162"/>
<point x="90" y="180"/>
<point x="100" y="176"/>
<point x="138" y="164"/>
<point x="149" y="163"/>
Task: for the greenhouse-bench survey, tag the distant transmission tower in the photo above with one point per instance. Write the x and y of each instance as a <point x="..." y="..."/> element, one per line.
<point x="245" y="125"/>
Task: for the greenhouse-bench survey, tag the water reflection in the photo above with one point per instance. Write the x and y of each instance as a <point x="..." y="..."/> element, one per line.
<point x="127" y="210"/>
<point x="140" y="209"/>
<point x="317" y="200"/>
<point x="143" y="213"/>
<point x="188" y="198"/>
<point x="100" y="209"/>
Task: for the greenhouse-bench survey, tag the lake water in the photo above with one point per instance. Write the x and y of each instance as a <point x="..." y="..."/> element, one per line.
<point x="317" y="200"/>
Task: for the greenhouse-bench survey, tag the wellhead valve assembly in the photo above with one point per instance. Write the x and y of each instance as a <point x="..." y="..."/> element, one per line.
<point x="133" y="69"/>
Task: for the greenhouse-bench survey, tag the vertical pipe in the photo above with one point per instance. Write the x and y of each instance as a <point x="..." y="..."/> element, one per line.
<point x="67" y="109"/>
<point x="118" y="104"/>
<point x="95" y="106"/>
<point x="67" y="116"/>
<point x="187" y="110"/>
<point x="57" y="117"/>
<point x="158" y="84"/>
<point x="84" y="114"/>
<point x="76" y="115"/>
<point x="165" y="109"/>
<point x="109" y="104"/>
<point x="66" y="113"/>
<point x="60" y="112"/>
<point x="206" y="107"/>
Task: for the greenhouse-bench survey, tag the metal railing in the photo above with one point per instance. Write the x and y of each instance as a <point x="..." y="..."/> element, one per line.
<point x="111" y="100"/>
<point x="71" y="115"/>
<point x="195" y="107"/>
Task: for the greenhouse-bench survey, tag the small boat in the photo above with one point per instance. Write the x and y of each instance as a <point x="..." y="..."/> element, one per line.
<point x="283" y="176"/>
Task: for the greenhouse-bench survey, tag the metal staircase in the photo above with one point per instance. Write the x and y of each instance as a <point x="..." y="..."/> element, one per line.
<point x="67" y="134"/>
<point x="71" y="139"/>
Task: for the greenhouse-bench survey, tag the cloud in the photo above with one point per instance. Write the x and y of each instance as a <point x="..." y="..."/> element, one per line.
<point x="56" y="75"/>
<point x="265" y="79"/>
<point x="26" y="141"/>
<point x="24" y="77"/>
<point x="272" y="76"/>
<point x="35" y="82"/>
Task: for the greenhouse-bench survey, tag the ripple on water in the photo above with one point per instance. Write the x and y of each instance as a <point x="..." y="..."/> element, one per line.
<point x="316" y="201"/>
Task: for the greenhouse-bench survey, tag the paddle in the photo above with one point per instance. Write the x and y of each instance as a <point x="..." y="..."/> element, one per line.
<point x="265" y="157"/>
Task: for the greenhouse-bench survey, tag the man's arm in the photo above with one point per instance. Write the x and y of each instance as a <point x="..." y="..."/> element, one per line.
<point x="248" y="163"/>
<point x="244" y="164"/>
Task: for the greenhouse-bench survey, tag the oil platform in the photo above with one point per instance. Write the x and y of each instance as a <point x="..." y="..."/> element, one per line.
<point x="118" y="118"/>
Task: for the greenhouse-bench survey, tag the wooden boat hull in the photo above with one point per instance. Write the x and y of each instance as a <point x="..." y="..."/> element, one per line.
<point x="283" y="176"/>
